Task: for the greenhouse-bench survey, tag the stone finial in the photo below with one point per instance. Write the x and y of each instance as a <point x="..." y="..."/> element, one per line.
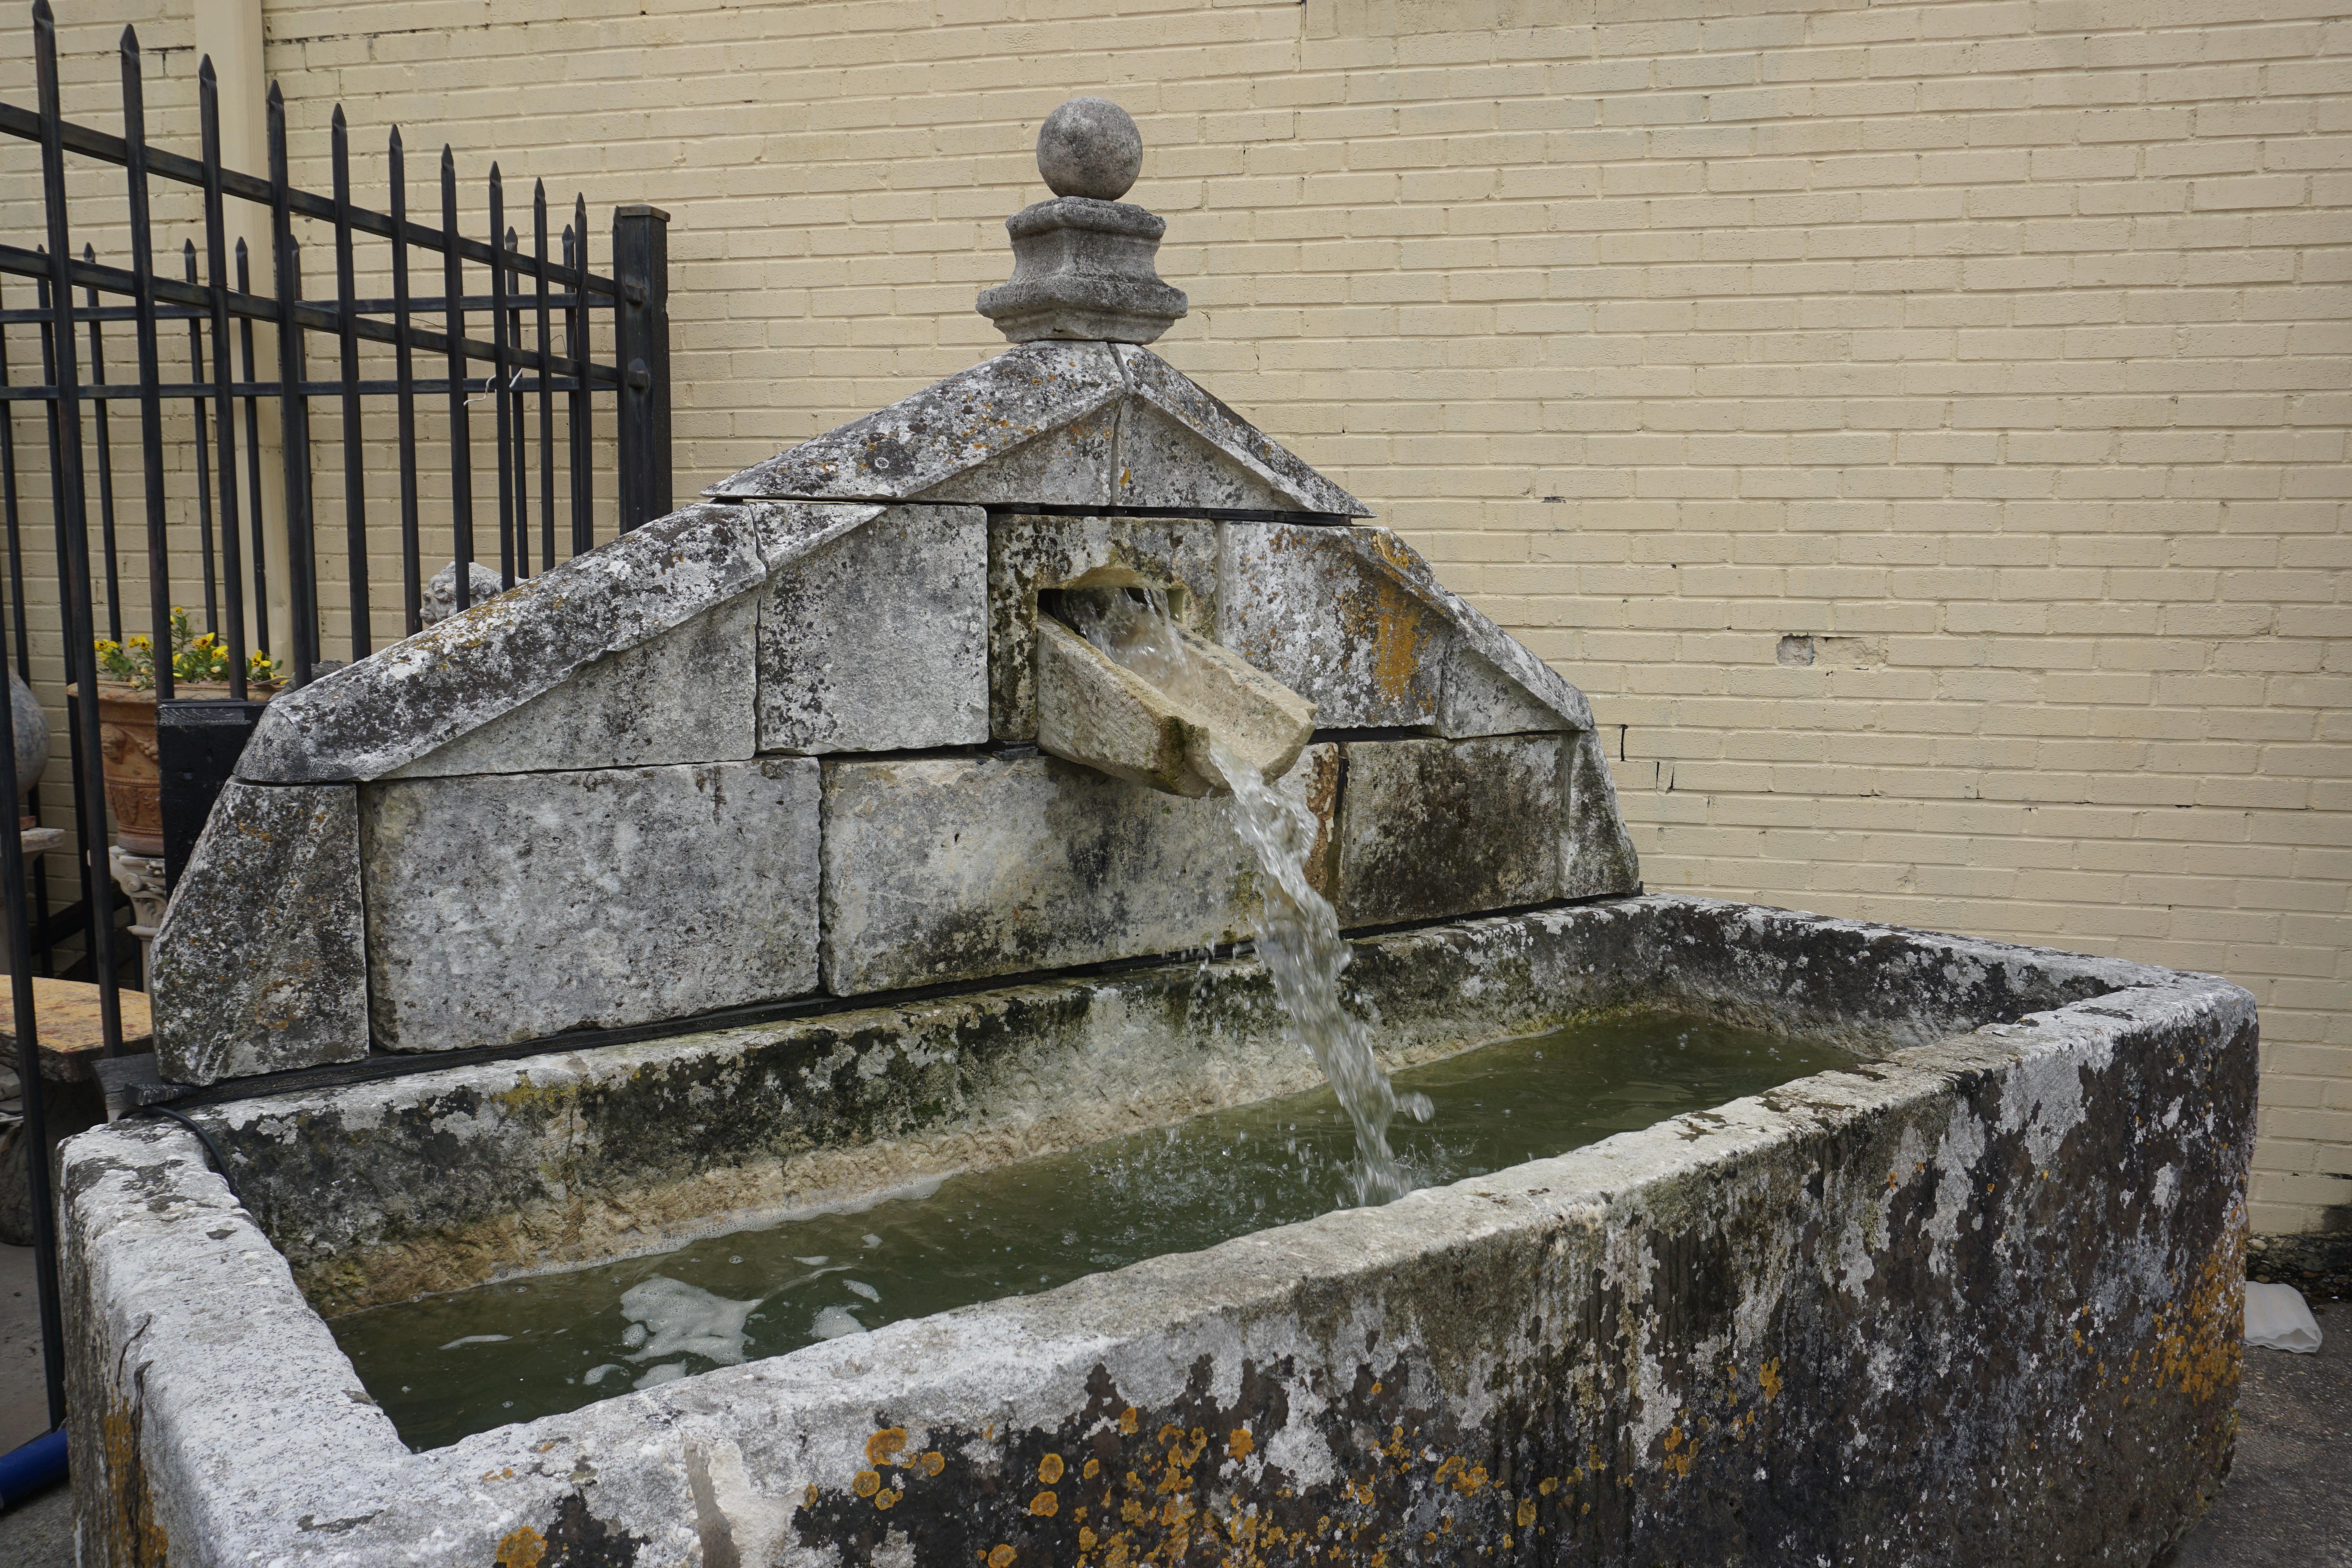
<point x="1091" y="147"/>
<point x="1084" y="264"/>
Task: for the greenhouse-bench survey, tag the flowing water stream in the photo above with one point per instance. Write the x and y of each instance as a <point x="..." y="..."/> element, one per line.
<point x="1298" y="933"/>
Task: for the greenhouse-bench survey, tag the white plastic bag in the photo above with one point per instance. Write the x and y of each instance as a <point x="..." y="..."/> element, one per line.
<point x="2277" y="1318"/>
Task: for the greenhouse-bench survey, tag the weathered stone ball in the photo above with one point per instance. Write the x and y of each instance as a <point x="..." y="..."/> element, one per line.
<point x="1091" y="147"/>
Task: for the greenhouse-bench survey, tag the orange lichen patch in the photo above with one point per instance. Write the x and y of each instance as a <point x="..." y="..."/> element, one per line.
<point x="888" y="1499"/>
<point x="808" y="1498"/>
<point x="1045" y="1505"/>
<point x="2199" y="1341"/>
<point x="1241" y="1445"/>
<point x="1677" y="1461"/>
<point x="1547" y="1486"/>
<point x="933" y="1462"/>
<point x="866" y="1483"/>
<point x="131" y="1536"/>
<point x="1127" y="1419"/>
<point x="1001" y="1557"/>
<point x="1768" y="1377"/>
<point x="1049" y="1468"/>
<point x="522" y="1547"/>
<point x="1527" y="1512"/>
<point x="884" y="1444"/>
<point x="1094" y="1468"/>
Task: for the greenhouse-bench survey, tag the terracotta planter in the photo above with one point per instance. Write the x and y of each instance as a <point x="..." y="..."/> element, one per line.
<point x="126" y="727"/>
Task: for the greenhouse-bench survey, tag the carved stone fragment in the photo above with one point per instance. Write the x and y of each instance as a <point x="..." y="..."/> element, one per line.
<point x="1028" y="556"/>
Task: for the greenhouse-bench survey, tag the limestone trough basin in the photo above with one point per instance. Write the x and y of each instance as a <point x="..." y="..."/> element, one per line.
<point x="1975" y="1299"/>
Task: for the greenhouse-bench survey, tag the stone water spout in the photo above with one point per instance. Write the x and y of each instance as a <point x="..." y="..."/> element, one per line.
<point x="1137" y="697"/>
<point x="1121" y="687"/>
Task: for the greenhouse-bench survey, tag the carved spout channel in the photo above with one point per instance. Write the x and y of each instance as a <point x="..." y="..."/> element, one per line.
<point x="1095" y="710"/>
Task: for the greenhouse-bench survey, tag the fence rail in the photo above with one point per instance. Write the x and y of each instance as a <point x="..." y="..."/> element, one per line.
<point x="523" y="322"/>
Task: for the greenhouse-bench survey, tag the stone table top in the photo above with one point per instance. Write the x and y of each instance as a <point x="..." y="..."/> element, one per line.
<point x="65" y="1015"/>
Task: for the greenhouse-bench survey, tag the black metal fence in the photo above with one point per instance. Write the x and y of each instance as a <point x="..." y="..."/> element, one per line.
<point x="561" y="341"/>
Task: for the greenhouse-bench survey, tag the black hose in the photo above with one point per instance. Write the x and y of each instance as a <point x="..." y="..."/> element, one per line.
<point x="220" y="1161"/>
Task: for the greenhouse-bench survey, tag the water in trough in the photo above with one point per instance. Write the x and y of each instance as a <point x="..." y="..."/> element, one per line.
<point x="444" y="1366"/>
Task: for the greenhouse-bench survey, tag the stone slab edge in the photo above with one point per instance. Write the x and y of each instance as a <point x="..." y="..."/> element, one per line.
<point x="1188" y="403"/>
<point x="241" y="1387"/>
<point x="258" y="964"/>
<point x="364" y="721"/>
<point x="947" y="428"/>
<point x="1001" y="404"/>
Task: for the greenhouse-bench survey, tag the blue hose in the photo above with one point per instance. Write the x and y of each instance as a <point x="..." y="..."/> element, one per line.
<point x="34" y="1468"/>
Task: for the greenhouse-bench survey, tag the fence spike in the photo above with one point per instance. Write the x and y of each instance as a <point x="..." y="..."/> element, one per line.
<point x="501" y="369"/>
<point x="412" y="588"/>
<point x="461" y="448"/>
<point x="102" y="416"/>
<point x="145" y="339"/>
<point x="355" y="566"/>
<point x="253" y="457"/>
<point x="294" y="405"/>
<point x="203" y="455"/>
<point x="224" y="401"/>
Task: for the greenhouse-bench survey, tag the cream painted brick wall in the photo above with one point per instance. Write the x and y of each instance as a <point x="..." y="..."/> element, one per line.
<point x="1998" y="348"/>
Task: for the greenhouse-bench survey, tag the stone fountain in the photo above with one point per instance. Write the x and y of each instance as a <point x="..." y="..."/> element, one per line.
<point x="796" y="843"/>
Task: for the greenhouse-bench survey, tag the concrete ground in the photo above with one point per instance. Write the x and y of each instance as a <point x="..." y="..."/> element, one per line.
<point x="2288" y="1503"/>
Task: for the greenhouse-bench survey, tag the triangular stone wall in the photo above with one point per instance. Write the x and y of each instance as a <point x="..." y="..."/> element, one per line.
<point x="779" y="743"/>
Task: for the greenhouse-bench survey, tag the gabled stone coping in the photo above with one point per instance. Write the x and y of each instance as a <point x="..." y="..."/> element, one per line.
<point x="1984" y="1288"/>
<point x="1046" y="419"/>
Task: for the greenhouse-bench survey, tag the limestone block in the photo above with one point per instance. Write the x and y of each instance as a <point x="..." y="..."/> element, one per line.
<point x="407" y="701"/>
<point x="1318" y="611"/>
<point x="1476" y="698"/>
<point x="507" y="908"/>
<point x="688" y="696"/>
<point x="943" y="868"/>
<point x="1153" y="380"/>
<point x="1162" y="463"/>
<point x="1597" y="856"/>
<point x="878" y="639"/>
<point x="975" y="419"/>
<point x="1028" y="556"/>
<point x="260" y="964"/>
<point x="1429" y="829"/>
<point x="1500" y="657"/>
<point x="1067" y="467"/>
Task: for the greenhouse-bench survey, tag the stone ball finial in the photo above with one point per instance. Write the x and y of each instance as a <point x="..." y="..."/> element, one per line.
<point x="1091" y="147"/>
